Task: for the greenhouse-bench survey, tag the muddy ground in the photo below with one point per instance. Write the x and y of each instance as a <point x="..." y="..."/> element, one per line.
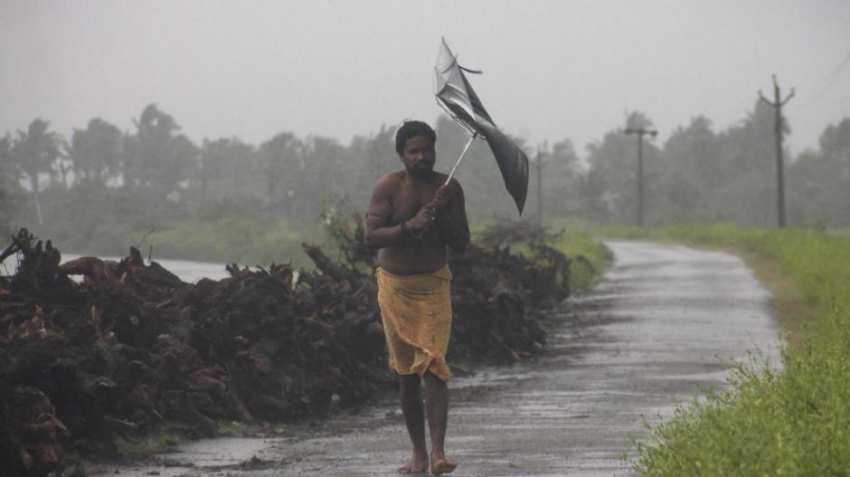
<point x="665" y="324"/>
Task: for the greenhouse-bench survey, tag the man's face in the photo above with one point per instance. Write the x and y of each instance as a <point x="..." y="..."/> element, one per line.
<point x="418" y="156"/>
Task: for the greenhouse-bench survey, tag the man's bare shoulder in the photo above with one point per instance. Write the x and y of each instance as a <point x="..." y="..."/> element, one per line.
<point x="389" y="182"/>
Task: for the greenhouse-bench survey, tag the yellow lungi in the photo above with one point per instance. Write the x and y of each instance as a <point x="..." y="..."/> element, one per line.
<point x="416" y="311"/>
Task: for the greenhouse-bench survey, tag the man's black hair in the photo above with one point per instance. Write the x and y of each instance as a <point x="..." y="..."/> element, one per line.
<point x="412" y="129"/>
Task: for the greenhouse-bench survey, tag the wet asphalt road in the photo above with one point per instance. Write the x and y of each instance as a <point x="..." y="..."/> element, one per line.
<point x="665" y="324"/>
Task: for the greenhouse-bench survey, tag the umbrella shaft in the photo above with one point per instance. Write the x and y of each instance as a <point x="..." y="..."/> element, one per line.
<point x="465" y="148"/>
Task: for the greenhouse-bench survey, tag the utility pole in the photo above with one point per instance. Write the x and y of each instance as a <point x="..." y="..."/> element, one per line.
<point x="640" y="132"/>
<point x="776" y="104"/>
<point x="538" y="164"/>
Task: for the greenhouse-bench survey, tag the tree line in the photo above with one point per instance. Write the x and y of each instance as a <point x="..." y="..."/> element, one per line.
<point x="154" y="175"/>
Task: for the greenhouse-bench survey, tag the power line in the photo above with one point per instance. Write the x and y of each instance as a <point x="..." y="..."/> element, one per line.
<point x="829" y="80"/>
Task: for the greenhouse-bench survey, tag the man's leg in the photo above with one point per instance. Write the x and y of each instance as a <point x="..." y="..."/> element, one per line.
<point x="437" y="406"/>
<point x="414" y="417"/>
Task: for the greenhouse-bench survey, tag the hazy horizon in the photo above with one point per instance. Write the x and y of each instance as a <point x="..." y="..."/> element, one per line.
<point x="552" y="70"/>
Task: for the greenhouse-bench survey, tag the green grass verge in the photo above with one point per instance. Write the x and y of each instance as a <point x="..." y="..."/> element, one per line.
<point x="166" y="438"/>
<point x="589" y="257"/>
<point x="791" y="422"/>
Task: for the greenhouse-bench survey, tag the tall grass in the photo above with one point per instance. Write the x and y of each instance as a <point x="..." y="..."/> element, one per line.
<point x="791" y="422"/>
<point x="589" y="257"/>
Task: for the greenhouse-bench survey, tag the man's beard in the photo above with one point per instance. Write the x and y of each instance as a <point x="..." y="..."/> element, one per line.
<point x="421" y="172"/>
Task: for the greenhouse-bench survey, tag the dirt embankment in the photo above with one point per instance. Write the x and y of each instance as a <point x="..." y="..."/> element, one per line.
<point x="131" y="346"/>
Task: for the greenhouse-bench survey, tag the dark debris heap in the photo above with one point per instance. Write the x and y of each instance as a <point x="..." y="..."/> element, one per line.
<point x="131" y="346"/>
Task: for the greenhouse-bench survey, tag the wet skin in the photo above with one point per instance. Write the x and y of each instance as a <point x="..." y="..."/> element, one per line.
<point x="434" y="219"/>
<point x="416" y="197"/>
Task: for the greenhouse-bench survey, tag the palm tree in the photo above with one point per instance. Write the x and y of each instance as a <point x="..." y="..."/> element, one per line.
<point x="8" y="179"/>
<point x="34" y="152"/>
<point x="96" y="151"/>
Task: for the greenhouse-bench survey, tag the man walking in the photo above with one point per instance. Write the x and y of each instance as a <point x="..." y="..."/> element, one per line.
<point x="413" y="218"/>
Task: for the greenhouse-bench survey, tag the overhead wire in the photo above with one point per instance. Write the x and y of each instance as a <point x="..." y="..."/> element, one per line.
<point x="829" y="81"/>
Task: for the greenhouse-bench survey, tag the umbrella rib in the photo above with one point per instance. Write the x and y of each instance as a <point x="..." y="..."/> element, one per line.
<point x="462" y="154"/>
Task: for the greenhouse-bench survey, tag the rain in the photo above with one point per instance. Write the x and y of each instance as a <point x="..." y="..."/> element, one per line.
<point x="195" y="182"/>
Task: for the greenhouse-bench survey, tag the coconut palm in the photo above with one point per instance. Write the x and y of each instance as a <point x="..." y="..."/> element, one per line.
<point x="96" y="151"/>
<point x="34" y="151"/>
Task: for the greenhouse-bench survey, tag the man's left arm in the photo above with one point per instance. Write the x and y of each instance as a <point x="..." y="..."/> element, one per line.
<point x="451" y="219"/>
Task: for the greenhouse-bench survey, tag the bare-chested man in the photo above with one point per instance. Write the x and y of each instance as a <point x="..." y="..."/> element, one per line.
<point x="413" y="219"/>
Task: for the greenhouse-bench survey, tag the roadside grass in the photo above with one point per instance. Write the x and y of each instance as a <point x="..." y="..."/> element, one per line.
<point x="795" y="421"/>
<point x="167" y="436"/>
<point x="589" y="257"/>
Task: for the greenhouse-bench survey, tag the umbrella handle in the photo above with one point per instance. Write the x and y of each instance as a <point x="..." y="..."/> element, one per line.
<point x="465" y="148"/>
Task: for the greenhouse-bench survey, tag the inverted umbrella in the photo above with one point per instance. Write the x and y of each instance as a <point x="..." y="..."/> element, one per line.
<point x="456" y="96"/>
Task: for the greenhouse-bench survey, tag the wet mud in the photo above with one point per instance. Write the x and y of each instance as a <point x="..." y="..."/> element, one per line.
<point x="664" y="325"/>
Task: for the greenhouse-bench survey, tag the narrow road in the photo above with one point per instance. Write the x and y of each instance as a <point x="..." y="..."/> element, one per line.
<point x="665" y="323"/>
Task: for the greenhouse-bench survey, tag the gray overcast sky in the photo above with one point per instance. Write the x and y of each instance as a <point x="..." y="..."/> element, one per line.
<point x="552" y="69"/>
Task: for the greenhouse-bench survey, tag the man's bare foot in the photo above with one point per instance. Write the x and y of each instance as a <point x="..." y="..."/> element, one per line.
<point x="442" y="466"/>
<point x="415" y="466"/>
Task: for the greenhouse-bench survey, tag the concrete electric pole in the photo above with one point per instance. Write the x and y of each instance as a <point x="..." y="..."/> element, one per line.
<point x="776" y="104"/>
<point x="640" y="132"/>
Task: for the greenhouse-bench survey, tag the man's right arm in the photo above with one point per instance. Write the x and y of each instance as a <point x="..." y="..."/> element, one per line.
<point x="380" y="232"/>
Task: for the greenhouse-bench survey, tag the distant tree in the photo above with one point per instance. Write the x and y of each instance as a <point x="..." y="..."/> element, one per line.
<point x="638" y="120"/>
<point x="369" y="158"/>
<point x="33" y="152"/>
<point x="835" y="145"/>
<point x="226" y="163"/>
<point x="613" y="169"/>
<point x="612" y="166"/>
<point x="691" y="169"/>
<point x="282" y="162"/>
<point x="380" y="154"/>
<point x="748" y="163"/>
<point x="813" y="198"/>
<point x="157" y="158"/>
<point x="819" y="181"/>
<point x="323" y="175"/>
<point x="96" y="152"/>
<point x="561" y="172"/>
<point x="592" y="199"/>
<point x="184" y="160"/>
<point x="9" y="188"/>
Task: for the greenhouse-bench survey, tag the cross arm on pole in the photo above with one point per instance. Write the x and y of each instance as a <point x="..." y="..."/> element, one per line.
<point x="766" y="101"/>
<point x="640" y="131"/>
<point x="788" y="98"/>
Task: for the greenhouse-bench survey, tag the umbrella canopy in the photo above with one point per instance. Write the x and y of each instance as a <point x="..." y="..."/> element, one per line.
<point x="455" y="95"/>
